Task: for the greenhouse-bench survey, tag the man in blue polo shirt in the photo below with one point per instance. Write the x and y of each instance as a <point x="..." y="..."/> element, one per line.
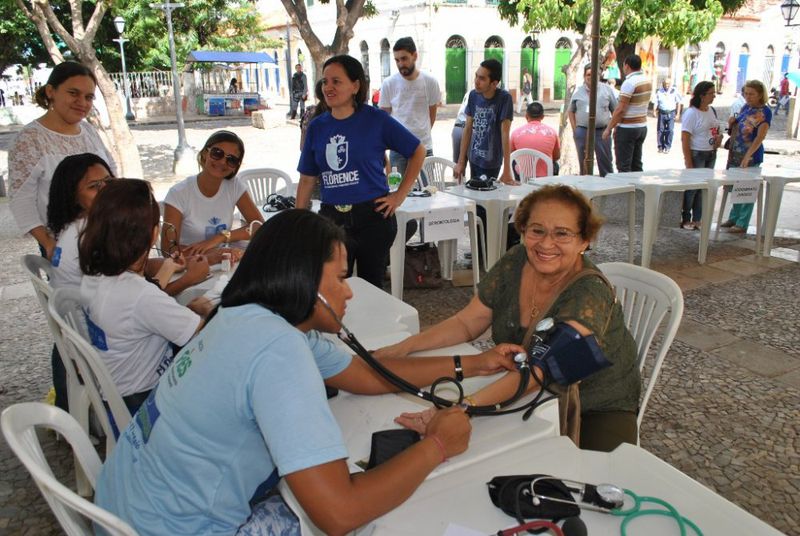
<point x="668" y="102"/>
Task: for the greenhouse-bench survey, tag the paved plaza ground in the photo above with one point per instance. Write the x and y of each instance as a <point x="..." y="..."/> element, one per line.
<point x="725" y="410"/>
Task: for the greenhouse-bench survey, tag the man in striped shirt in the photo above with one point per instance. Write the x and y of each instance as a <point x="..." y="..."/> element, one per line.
<point x="629" y="121"/>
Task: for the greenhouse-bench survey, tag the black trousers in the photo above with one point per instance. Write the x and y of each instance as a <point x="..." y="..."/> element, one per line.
<point x="628" y="144"/>
<point x="369" y="238"/>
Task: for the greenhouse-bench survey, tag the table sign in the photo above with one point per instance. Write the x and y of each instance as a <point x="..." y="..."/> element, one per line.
<point x="745" y="192"/>
<point x="443" y="224"/>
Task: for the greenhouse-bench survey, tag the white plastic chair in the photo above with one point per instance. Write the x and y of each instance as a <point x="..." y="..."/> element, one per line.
<point x="38" y="268"/>
<point x="261" y="182"/>
<point x="647" y="298"/>
<point x="66" y="309"/>
<point x="74" y="513"/>
<point x="439" y="170"/>
<point x="524" y="162"/>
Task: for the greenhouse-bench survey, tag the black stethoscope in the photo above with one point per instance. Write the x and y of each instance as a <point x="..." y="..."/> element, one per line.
<point x="521" y="360"/>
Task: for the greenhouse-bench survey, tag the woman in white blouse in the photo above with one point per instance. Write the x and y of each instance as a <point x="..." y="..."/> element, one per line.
<point x="68" y="97"/>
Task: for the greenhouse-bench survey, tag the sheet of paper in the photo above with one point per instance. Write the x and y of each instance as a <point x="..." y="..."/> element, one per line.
<point x="745" y="192"/>
<point x="444" y="224"/>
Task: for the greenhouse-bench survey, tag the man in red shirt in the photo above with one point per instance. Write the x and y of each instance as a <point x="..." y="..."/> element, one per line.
<point x="783" y="95"/>
<point x="538" y="136"/>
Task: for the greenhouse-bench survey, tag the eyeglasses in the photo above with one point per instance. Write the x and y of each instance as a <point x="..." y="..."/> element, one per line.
<point x="218" y="154"/>
<point x="169" y="240"/>
<point x="536" y="232"/>
<point x="99" y="183"/>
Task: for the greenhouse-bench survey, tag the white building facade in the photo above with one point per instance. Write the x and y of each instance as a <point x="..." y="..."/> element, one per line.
<point x="454" y="36"/>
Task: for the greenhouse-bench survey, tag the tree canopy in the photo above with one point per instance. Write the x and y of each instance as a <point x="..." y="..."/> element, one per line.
<point x="229" y="25"/>
<point x="675" y="22"/>
<point x="19" y="42"/>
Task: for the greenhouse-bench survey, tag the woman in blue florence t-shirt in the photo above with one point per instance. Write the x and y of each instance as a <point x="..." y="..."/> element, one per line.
<point x="345" y="150"/>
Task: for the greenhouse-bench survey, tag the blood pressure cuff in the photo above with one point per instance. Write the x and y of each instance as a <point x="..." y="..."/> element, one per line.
<point x="568" y="357"/>
<point x="512" y="494"/>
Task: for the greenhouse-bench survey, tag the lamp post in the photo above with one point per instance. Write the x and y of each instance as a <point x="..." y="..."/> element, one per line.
<point x="119" y="22"/>
<point x="184" y="161"/>
<point x="789" y="9"/>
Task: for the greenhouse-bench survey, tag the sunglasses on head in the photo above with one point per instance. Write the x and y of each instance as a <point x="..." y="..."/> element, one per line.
<point x="218" y="154"/>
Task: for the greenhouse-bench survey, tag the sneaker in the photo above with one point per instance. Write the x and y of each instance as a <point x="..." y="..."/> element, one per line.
<point x="729" y="223"/>
<point x="736" y="229"/>
<point x="696" y="225"/>
<point x="689" y="226"/>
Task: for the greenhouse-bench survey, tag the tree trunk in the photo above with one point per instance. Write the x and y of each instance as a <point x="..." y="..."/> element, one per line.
<point x="124" y="148"/>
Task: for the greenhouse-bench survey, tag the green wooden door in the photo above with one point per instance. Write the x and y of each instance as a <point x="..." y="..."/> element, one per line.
<point x="559" y="78"/>
<point x="497" y="54"/>
<point x="529" y="59"/>
<point x="455" y="74"/>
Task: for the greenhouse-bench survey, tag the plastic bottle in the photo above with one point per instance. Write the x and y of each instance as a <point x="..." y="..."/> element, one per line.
<point x="395" y="178"/>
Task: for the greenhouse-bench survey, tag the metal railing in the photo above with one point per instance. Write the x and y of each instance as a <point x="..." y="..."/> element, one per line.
<point x="146" y="84"/>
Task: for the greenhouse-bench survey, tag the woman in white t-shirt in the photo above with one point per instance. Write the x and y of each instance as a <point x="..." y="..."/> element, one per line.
<point x="68" y="97"/>
<point x="198" y="211"/>
<point x="132" y="322"/>
<point x="701" y="136"/>
<point x="76" y="182"/>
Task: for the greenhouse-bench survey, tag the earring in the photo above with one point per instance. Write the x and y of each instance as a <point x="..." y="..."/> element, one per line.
<point x="583" y="252"/>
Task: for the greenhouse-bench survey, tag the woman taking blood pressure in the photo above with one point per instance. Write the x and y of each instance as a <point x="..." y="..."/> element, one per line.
<point x="244" y="405"/>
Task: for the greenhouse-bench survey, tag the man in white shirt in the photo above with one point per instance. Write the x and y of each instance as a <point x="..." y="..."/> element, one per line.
<point x="411" y="96"/>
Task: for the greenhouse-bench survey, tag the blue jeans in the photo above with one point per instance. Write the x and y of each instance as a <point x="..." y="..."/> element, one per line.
<point x="602" y="150"/>
<point x="401" y="163"/>
<point x="666" y="127"/>
<point x="692" y="209"/>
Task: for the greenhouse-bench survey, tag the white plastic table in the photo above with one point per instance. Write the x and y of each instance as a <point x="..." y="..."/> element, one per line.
<point x="422" y="207"/>
<point x="370" y="311"/>
<point x="592" y="187"/>
<point x="653" y="184"/>
<point x="776" y="179"/>
<point x="497" y="204"/>
<point x="462" y="498"/>
<point x="360" y="416"/>
<point x="718" y="178"/>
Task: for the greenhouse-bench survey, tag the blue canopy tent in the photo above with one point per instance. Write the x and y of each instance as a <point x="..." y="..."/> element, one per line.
<point x="216" y="57"/>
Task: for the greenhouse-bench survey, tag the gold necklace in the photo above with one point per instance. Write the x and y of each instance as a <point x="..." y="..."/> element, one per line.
<point x="534" y="307"/>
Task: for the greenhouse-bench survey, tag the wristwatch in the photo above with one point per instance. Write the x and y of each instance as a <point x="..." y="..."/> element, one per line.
<point x="227" y="234"/>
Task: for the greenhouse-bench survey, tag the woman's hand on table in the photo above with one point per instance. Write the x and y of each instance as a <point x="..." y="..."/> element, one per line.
<point x="388" y="204"/>
<point x="214" y="256"/>
<point x="746" y="161"/>
<point x="199" y="248"/>
<point x="450" y="425"/>
<point x="494" y="360"/>
<point x="196" y="269"/>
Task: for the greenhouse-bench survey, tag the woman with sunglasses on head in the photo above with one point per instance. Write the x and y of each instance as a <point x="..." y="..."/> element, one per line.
<point x="198" y="211"/>
<point x="68" y="97"/>
<point x="132" y="322"/>
<point x="548" y="276"/>
<point x="345" y="150"/>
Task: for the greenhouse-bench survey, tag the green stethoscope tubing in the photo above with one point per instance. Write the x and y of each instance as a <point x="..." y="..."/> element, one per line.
<point x="636" y="511"/>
